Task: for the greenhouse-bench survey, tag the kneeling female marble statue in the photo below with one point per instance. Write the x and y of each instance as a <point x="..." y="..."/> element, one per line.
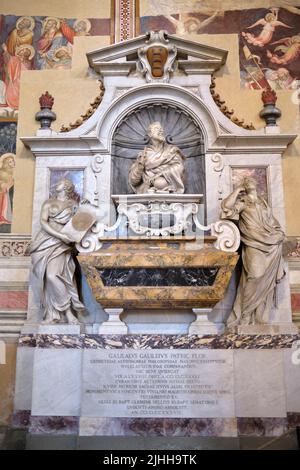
<point x="262" y="238"/>
<point x="159" y="168"/>
<point x="52" y="260"/>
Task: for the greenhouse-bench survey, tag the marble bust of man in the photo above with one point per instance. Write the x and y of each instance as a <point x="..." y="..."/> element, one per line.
<point x="159" y="168"/>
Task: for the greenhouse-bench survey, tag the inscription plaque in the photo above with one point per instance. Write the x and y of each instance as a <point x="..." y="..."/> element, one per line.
<point x="158" y="383"/>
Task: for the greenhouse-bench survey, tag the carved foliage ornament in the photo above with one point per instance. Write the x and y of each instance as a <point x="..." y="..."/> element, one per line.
<point x="156" y="59"/>
<point x="218" y="160"/>
<point x="14" y="248"/>
<point x="177" y="217"/>
<point x="93" y="106"/>
<point x="225" y="110"/>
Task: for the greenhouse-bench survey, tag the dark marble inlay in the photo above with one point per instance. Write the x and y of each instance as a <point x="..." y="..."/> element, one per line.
<point x="158" y="277"/>
<point x="59" y="341"/>
<point x="293" y="420"/>
<point x="28" y="340"/>
<point x="183" y="427"/>
<point x="262" y="426"/>
<point x="231" y="341"/>
<point x="21" y="419"/>
<point x="91" y="341"/>
<point x="147" y="427"/>
<point x="54" y="425"/>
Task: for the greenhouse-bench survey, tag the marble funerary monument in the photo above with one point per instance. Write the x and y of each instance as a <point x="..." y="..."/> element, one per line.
<point x="160" y="292"/>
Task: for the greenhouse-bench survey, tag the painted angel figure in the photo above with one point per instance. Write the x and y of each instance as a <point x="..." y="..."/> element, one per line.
<point x="290" y="48"/>
<point x="269" y="23"/>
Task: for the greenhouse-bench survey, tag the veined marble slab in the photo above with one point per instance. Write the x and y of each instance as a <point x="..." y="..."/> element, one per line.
<point x="156" y="341"/>
<point x="292" y="378"/>
<point x="56" y="382"/>
<point x="178" y="427"/>
<point x="161" y="383"/>
<point x="259" y="384"/>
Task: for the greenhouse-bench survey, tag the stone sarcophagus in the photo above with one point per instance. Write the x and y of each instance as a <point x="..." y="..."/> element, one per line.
<point x="158" y="273"/>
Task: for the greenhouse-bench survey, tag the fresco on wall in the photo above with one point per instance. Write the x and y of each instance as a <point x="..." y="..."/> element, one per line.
<point x="269" y="37"/>
<point x="76" y="176"/>
<point x="8" y="132"/>
<point x="37" y="43"/>
<point x="259" y="174"/>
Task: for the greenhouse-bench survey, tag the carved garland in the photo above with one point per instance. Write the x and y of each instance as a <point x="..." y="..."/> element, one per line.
<point x="223" y="107"/>
<point x="93" y="106"/>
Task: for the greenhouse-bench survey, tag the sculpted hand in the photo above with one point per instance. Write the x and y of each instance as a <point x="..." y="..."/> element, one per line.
<point x="63" y="237"/>
<point x="141" y="162"/>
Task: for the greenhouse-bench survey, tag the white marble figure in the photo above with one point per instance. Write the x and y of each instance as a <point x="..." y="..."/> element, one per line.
<point x="51" y="254"/>
<point x="262" y="238"/>
<point x="159" y="167"/>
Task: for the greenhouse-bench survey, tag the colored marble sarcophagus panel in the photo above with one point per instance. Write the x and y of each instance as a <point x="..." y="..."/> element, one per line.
<point x="158" y="273"/>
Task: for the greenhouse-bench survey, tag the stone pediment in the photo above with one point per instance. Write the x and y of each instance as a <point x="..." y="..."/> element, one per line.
<point x="173" y="53"/>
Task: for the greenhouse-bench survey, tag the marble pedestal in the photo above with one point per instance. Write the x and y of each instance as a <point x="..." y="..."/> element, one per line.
<point x="113" y="325"/>
<point x="203" y="326"/>
<point x="162" y="322"/>
<point x="154" y="385"/>
<point x="287" y="328"/>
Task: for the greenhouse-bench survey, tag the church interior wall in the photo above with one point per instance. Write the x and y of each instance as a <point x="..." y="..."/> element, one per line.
<point x="74" y="87"/>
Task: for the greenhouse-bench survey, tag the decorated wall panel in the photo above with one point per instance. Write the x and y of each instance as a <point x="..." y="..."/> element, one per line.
<point x="38" y="43"/>
<point x="258" y="173"/>
<point x="8" y="133"/>
<point x="268" y="32"/>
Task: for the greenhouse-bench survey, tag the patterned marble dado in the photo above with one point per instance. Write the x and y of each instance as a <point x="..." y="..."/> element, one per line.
<point x="179" y="427"/>
<point x="54" y="425"/>
<point x="60" y="341"/>
<point x="262" y="426"/>
<point x="45" y="424"/>
<point x="229" y="341"/>
<point x="146" y="427"/>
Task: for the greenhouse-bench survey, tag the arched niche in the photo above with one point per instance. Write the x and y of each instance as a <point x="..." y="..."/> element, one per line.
<point x="130" y="138"/>
<point x="103" y="124"/>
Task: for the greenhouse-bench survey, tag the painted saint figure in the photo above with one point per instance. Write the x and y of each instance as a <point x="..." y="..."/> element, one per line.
<point x="159" y="168"/>
<point x="6" y="187"/>
<point x="50" y="40"/>
<point x="53" y="264"/>
<point x="21" y="34"/>
<point x="61" y="59"/>
<point x="14" y="65"/>
<point x="263" y="269"/>
<point x="81" y="27"/>
<point x="269" y="23"/>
